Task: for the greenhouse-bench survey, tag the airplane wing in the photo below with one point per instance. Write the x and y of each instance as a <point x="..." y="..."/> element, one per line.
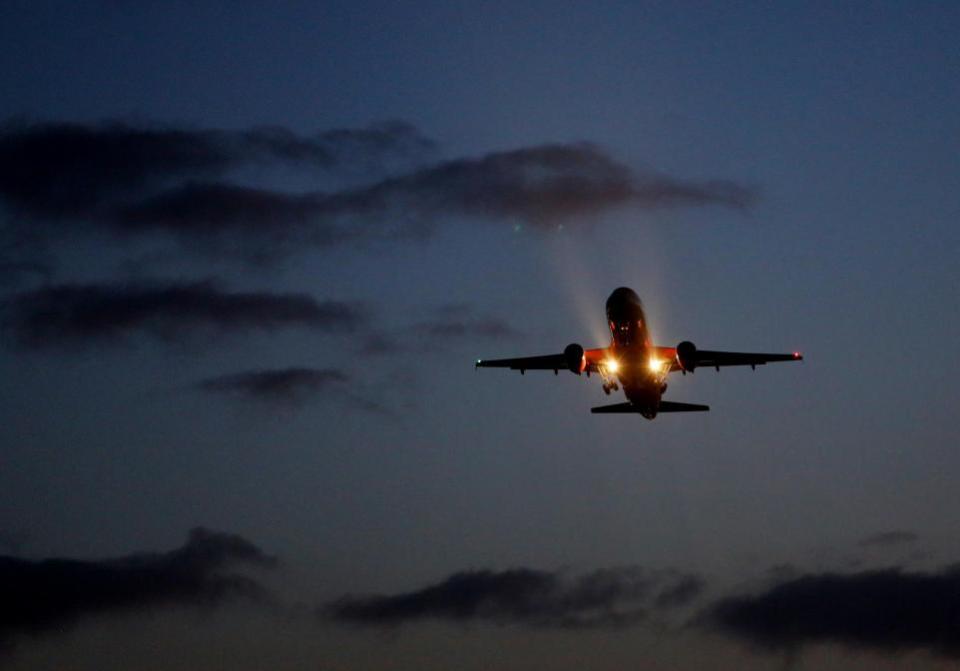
<point x="554" y="362"/>
<point x="665" y="406"/>
<point x="716" y="359"/>
<point x="686" y="356"/>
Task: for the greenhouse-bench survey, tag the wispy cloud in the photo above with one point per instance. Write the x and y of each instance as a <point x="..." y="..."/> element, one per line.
<point x="43" y="596"/>
<point x="441" y="328"/>
<point x="603" y="598"/>
<point x="287" y="386"/>
<point x="459" y="322"/>
<point x="70" y="314"/>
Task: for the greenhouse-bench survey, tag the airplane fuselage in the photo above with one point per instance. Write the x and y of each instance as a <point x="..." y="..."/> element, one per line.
<point x="639" y="372"/>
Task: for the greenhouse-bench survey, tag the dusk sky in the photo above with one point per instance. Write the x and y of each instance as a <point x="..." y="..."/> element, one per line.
<point x="249" y="253"/>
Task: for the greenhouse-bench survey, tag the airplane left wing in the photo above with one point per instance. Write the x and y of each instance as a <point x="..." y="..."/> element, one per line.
<point x="556" y="362"/>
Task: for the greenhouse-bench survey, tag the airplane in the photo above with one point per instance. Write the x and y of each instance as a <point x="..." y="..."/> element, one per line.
<point x="634" y="362"/>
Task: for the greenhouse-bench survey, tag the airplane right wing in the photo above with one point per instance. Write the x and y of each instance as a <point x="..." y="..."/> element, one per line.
<point x="686" y="357"/>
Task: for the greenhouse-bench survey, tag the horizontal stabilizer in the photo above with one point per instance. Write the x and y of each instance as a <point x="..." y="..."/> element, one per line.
<point x="665" y="406"/>
<point x="616" y="407"/>
<point x="670" y="406"/>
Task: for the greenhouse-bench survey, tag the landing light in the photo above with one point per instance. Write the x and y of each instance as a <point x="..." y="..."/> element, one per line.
<point x="655" y="365"/>
<point x="613" y="365"/>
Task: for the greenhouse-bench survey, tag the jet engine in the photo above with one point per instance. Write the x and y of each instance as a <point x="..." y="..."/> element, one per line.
<point x="687" y="356"/>
<point x="576" y="362"/>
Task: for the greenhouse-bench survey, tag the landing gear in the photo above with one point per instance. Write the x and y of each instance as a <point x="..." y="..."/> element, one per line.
<point x="609" y="381"/>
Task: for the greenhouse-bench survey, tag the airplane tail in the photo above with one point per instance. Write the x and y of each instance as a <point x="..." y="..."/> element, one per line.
<point x="665" y="406"/>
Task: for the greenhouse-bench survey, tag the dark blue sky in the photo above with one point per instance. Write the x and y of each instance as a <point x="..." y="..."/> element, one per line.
<point x="815" y="148"/>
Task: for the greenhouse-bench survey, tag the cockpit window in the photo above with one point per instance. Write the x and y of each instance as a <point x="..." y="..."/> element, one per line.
<point x="624" y="331"/>
<point x="627" y="331"/>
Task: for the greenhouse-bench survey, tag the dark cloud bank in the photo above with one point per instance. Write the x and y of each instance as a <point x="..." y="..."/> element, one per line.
<point x="603" y="598"/>
<point x="887" y="611"/>
<point x="69" y="314"/>
<point x="43" y="596"/>
<point x="72" y="169"/>
<point x="128" y="180"/>
<point x="541" y="186"/>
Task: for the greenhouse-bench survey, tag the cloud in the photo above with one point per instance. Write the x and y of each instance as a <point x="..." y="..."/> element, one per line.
<point x="130" y="181"/>
<point x="292" y="387"/>
<point x="59" y="170"/>
<point x="459" y="321"/>
<point x="288" y="386"/>
<point x="445" y="326"/>
<point x="888" y="610"/>
<point x="69" y="314"/>
<point x="889" y="539"/>
<point x="42" y="596"/>
<point x="542" y="186"/>
<point x="603" y="598"/>
<point x="13" y="273"/>
<point x="21" y="260"/>
<point x="257" y="225"/>
<point x="684" y="590"/>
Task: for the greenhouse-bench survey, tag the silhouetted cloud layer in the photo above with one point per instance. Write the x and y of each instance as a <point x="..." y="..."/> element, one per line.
<point x="78" y="313"/>
<point x="542" y="186"/>
<point x="603" y="598"/>
<point x="126" y="181"/>
<point x="72" y="169"/>
<point x="885" y="610"/>
<point x="283" y="386"/>
<point x="889" y="539"/>
<point x="45" y="595"/>
<point x="253" y="224"/>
